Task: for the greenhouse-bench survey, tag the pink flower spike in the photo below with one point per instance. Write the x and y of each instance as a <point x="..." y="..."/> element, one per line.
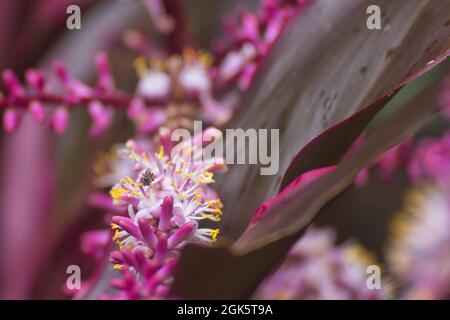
<point x="180" y="235"/>
<point x="119" y="284"/>
<point x="148" y="233"/>
<point x="161" y="248"/>
<point x="166" y="214"/>
<point x="60" y="120"/>
<point x="37" y="110"/>
<point x="162" y="22"/>
<point x="105" y="78"/>
<point x="136" y="108"/>
<point x="102" y="201"/>
<point x="142" y="263"/>
<point x="61" y="72"/>
<point x="162" y="291"/>
<point x="94" y="242"/>
<point x="164" y="273"/>
<point x="116" y="257"/>
<point x="76" y="88"/>
<point x="273" y="30"/>
<point x="101" y="117"/>
<point x="128" y="225"/>
<point x="80" y="90"/>
<point x="11" y="120"/>
<point x="128" y="257"/>
<point x="247" y="76"/>
<point x="166" y="270"/>
<point x="151" y="268"/>
<point x="250" y="27"/>
<point x="35" y="79"/>
<point x="13" y="84"/>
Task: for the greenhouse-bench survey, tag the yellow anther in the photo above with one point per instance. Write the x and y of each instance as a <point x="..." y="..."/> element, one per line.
<point x="137" y="194"/>
<point x="140" y="65"/>
<point x="214" y="234"/>
<point x="119" y="244"/>
<point x="117" y="193"/>
<point x="161" y="153"/>
<point x="116" y="235"/>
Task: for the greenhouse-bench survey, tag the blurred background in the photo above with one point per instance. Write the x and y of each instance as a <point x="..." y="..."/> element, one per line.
<point x="46" y="179"/>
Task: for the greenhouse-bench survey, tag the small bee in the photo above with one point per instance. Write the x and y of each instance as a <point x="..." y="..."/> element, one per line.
<point x="147" y="177"/>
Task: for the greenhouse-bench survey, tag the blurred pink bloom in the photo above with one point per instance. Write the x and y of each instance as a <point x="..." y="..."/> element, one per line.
<point x="183" y="84"/>
<point x="387" y="164"/>
<point x="250" y="38"/>
<point x="317" y="269"/>
<point x="38" y="98"/>
<point x="94" y="242"/>
<point x="419" y="250"/>
<point x="431" y="159"/>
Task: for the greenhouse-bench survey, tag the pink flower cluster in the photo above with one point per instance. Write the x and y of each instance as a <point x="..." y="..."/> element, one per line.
<point x="419" y="248"/>
<point x="181" y="86"/>
<point x="173" y="89"/>
<point x="430" y="159"/>
<point x="426" y="158"/>
<point x="317" y="269"/>
<point x="250" y="38"/>
<point x="50" y="101"/>
<point x="167" y="197"/>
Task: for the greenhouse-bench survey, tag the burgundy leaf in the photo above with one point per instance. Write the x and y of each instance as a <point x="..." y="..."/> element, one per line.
<point x="234" y="272"/>
<point x="325" y="66"/>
